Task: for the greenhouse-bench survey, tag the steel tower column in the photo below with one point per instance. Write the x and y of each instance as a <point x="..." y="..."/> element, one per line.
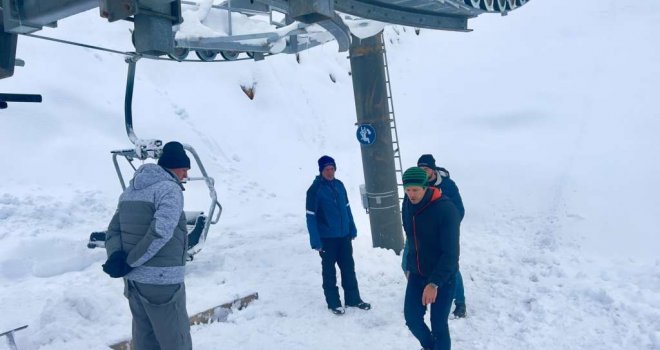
<point x="371" y="106"/>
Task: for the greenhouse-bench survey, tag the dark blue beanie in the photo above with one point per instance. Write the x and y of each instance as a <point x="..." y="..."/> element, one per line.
<point x="325" y="161"/>
<point x="426" y="160"/>
<point x="174" y="156"/>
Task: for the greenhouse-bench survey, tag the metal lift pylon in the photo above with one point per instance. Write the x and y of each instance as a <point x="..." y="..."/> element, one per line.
<point x="372" y="105"/>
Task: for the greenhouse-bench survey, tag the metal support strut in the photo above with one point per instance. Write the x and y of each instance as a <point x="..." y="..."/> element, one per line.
<point x="147" y="148"/>
<point x="128" y="99"/>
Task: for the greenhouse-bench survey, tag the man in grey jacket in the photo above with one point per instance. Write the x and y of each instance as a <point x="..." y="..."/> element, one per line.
<point x="146" y="243"/>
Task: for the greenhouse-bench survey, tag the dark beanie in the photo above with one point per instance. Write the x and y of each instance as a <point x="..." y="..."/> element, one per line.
<point x="325" y="161"/>
<point x="426" y="160"/>
<point x="174" y="156"/>
<point x="415" y="176"/>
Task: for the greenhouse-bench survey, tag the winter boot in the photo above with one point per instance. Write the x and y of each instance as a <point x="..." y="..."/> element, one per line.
<point x="337" y="310"/>
<point x="361" y="305"/>
<point x="460" y="311"/>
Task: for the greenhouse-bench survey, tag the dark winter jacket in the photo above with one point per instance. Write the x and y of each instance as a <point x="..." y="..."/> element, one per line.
<point x="432" y="228"/>
<point x="150" y="226"/>
<point x="450" y="190"/>
<point x="328" y="211"/>
<point x="448" y="187"/>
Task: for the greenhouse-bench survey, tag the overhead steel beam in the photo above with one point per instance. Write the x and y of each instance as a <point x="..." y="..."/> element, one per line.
<point x="339" y="31"/>
<point x="242" y="6"/>
<point x="26" y="16"/>
<point x="403" y="15"/>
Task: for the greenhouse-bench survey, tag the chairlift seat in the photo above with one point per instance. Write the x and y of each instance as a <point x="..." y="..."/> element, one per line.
<point x="195" y="230"/>
<point x="191" y="216"/>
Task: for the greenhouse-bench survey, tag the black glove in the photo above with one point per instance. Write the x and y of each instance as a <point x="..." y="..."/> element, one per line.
<point x="116" y="265"/>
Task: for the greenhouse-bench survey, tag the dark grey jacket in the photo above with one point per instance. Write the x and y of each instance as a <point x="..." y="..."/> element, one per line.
<point x="150" y="226"/>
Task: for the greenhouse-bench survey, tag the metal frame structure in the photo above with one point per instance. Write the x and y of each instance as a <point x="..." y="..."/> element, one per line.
<point x="305" y="24"/>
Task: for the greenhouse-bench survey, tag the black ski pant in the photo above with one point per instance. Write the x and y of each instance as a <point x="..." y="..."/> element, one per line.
<point x="339" y="251"/>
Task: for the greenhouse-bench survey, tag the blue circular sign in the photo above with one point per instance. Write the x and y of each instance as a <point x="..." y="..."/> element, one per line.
<point x="366" y="134"/>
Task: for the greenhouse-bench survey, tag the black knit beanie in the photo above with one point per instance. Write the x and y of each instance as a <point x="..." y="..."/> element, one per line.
<point x="325" y="161"/>
<point x="426" y="160"/>
<point x="174" y="156"/>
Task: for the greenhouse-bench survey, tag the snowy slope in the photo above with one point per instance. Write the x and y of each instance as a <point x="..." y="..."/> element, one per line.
<point x="545" y="118"/>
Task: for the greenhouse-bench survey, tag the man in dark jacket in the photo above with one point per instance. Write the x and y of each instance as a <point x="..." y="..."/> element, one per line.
<point x="331" y="230"/>
<point x="431" y="222"/>
<point x="147" y="245"/>
<point x="439" y="178"/>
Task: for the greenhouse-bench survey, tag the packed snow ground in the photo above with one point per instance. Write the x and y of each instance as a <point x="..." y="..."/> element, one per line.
<point x="547" y="119"/>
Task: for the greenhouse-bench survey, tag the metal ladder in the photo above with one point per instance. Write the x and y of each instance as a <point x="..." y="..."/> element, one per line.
<point x="395" y="135"/>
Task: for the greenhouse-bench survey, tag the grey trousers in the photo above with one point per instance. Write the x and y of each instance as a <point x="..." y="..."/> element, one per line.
<point x="160" y="319"/>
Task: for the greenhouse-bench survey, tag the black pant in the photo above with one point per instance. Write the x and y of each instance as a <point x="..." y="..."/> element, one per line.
<point x="339" y="251"/>
<point x="436" y="338"/>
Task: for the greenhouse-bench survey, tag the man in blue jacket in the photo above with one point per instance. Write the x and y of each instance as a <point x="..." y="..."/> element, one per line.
<point x="431" y="222"/>
<point x="331" y="230"/>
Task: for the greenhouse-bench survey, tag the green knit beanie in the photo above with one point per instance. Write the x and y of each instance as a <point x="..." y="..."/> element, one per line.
<point x="415" y="176"/>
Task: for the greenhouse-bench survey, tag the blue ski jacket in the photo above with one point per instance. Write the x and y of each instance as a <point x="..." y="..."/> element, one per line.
<point x="328" y="211"/>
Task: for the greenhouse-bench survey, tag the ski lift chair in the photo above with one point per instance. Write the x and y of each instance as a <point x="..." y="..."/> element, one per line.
<point x="197" y="222"/>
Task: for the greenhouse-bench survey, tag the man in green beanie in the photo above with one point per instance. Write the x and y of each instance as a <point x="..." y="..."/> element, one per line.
<point x="439" y="177"/>
<point x="431" y="222"/>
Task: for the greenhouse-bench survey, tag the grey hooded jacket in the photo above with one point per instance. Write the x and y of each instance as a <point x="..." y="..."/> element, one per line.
<point x="150" y="226"/>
